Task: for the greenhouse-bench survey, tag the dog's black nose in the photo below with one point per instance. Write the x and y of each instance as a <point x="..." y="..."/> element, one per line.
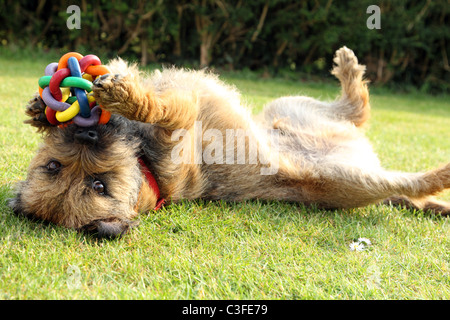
<point x="86" y="136"/>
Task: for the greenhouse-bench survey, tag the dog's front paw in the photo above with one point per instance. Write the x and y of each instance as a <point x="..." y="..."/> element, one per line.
<point x="111" y="91"/>
<point x="35" y="109"/>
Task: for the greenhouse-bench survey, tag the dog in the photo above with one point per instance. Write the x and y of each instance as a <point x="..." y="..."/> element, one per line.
<point x="98" y="179"/>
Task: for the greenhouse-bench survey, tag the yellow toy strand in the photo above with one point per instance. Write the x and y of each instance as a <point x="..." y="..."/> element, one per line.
<point x="72" y="111"/>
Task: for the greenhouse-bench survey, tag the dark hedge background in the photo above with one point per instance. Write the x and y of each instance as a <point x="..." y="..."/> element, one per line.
<point x="411" y="48"/>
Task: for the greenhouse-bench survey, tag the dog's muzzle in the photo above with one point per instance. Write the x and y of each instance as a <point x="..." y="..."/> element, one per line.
<point x="86" y="136"/>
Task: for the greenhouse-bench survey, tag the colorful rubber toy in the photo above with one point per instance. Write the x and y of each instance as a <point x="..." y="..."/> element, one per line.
<point x="66" y="90"/>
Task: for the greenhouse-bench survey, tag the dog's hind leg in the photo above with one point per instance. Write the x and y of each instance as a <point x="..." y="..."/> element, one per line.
<point x="337" y="186"/>
<point x="373" y="187"/>
<point x="428" y="204"/>
<point x="353" y="104"/>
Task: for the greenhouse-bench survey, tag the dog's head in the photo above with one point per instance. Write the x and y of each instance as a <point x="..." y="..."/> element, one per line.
<point x="84" y="178"/>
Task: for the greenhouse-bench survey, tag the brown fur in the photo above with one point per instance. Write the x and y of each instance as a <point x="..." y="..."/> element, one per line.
<point x="323" y="156"/>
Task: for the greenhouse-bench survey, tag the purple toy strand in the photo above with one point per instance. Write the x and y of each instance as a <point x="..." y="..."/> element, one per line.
<point x="51" y="69"/>
<point x="52" y="102"/>
<point x="88" y="122"/>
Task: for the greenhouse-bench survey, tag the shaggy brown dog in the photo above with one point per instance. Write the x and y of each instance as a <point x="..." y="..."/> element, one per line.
<point x="191" y="132"/>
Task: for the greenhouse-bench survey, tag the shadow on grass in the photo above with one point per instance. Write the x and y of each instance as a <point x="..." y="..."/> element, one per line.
<point x="14" y="227"/>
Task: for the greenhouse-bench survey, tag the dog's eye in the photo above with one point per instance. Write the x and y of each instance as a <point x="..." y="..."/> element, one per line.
<point x="98" y="187"/>
<point x="53" y="166"/>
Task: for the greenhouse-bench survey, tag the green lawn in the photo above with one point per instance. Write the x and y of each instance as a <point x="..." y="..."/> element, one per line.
<point x="252" y="250"/>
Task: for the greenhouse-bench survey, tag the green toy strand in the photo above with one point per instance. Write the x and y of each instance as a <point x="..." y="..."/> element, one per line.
<point x="68" y="82"/>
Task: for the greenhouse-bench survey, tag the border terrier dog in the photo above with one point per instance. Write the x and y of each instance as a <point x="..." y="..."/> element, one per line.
<point x="98" y="179"/>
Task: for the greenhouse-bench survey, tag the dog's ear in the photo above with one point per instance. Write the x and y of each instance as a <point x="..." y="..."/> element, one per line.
<point x="35" y="109"/>
<point x="109" y="228"/>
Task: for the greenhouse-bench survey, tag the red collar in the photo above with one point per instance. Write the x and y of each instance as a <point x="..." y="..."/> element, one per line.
<point x="152" y="183"/>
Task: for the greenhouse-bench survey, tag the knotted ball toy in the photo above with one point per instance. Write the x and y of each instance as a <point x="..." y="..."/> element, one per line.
<point x="66" y="91"/>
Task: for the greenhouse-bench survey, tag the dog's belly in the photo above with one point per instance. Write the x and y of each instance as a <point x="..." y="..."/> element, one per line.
<point x="329" y="146"/>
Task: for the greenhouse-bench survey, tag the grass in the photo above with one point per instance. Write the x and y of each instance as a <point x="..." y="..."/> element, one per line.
<point x="251" y="250"/>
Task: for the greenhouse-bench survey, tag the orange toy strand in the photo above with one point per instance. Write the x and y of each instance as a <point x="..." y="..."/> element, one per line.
<point x="104" y="117"/>
<point x="62" y="63"/>
<point x="97" y="70"/>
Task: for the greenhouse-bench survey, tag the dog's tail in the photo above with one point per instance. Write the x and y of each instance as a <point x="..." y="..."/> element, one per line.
<point x="354" y="102"/>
